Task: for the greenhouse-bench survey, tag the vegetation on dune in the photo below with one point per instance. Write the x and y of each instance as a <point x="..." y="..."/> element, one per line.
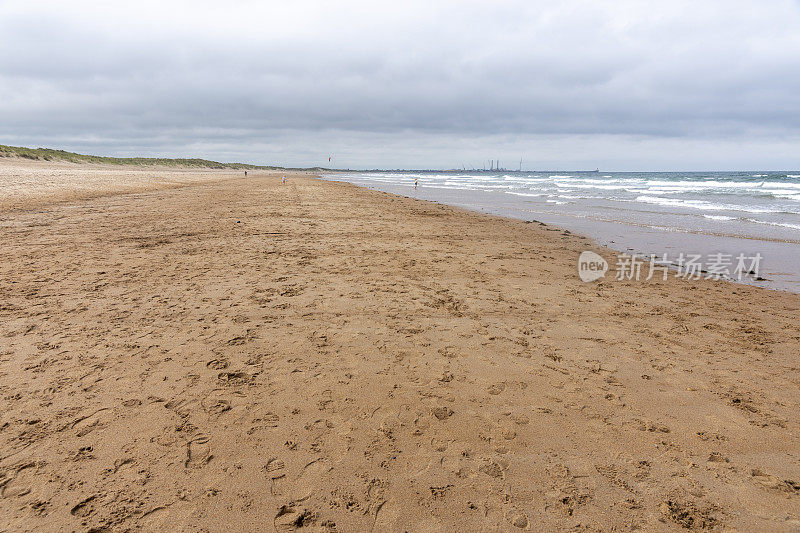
<point x="48" y="154"/>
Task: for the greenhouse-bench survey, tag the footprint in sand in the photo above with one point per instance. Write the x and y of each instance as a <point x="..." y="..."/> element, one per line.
<point x="198" y="452"/>
<point x="494" y="469"/>
<point x="233" y="379"/>
<point x="83" y="454"/>
<point x="182" y="407"/>
<point x="390" y="516"/>
<point x="220" y="401"/>
<point x="773" y="483"/>
<point x="517" y="518"/>
<point x="276" y="471"/>
<point x="217" y="407"/>
<point x="688" y="514"/>
<point x="85" y="507"/>
<point x="387" y="516"/>
<point x="442" y="412"/>
<point x="291" y="290"/>
<point x="496" y="388"/>
<point x="309" y="480"/>
<point x="439" y="445"/>
<point x="17" y="482"/>
<point x="275" y="468"/>
<point x="291" y="518"/>
<point x="86" y="424"/>
<point x="216" y="403"/>
<point x="520" y="419"/>
<point x="506" y="431"/>
<point x="217" y="364"/>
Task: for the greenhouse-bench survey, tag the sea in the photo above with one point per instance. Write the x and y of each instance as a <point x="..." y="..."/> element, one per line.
<point x="752" y="215"/>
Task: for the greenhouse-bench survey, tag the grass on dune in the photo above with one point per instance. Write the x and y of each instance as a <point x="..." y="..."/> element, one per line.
<point x="48" y="154"/>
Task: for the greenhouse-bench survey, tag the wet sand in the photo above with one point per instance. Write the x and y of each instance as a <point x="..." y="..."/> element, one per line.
<point x="237" y="354"/>
<point x="640" y="232"/>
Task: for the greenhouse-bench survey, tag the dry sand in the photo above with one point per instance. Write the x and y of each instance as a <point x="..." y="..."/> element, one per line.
<point x="29" y="184"/>
<point x="229" y="355"/>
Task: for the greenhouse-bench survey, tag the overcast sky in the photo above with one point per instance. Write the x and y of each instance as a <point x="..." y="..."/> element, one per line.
<point x="619" y="85"/>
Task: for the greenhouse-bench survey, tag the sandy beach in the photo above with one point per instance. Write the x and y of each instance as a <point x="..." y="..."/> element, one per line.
<point x="203" y="352"/>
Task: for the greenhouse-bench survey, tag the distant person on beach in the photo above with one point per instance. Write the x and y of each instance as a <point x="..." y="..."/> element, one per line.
<point x="283" y="179"/>
<point x="245" y="173"/>
<point x="416" y="181"/>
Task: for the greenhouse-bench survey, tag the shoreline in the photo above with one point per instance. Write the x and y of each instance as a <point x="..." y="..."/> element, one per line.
<point x="780" y="271"/>
<point x="237" y="353"/>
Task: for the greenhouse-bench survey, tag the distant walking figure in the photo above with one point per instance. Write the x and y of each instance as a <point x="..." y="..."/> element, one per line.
<point x="245" y="173"/>
<point x="416" y="181"/>
<point x="283" y="179"/>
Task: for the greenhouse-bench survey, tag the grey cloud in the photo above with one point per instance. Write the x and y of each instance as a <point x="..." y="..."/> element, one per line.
<point x="192" y="76"/>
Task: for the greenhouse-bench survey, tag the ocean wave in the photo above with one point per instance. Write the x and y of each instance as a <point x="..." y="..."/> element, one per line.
<point x="778" y="224"/>
<point x="672" y="190"/>
<point x="781" y="185"/>
<point x="573" y="185"/>
<point x="714" y="193"/>
<point x="595" y="180"/>
<point x="754" y="221"/>
<point x="374" y="175"/>
<point x="467" y="177"/>
<point x="526" y="180"/>
<point x="704" y="205"/>
<point x="600" y="181"/>
<point x="479" y="185"/>
<point x="781" y="191"/>
<point x="707" y="184"/>
<point x="532" y="195"/>
<point x="448" y="187"/>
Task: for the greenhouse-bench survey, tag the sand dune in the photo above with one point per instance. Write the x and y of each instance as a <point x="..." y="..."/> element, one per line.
<point x="244" y="355"/>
